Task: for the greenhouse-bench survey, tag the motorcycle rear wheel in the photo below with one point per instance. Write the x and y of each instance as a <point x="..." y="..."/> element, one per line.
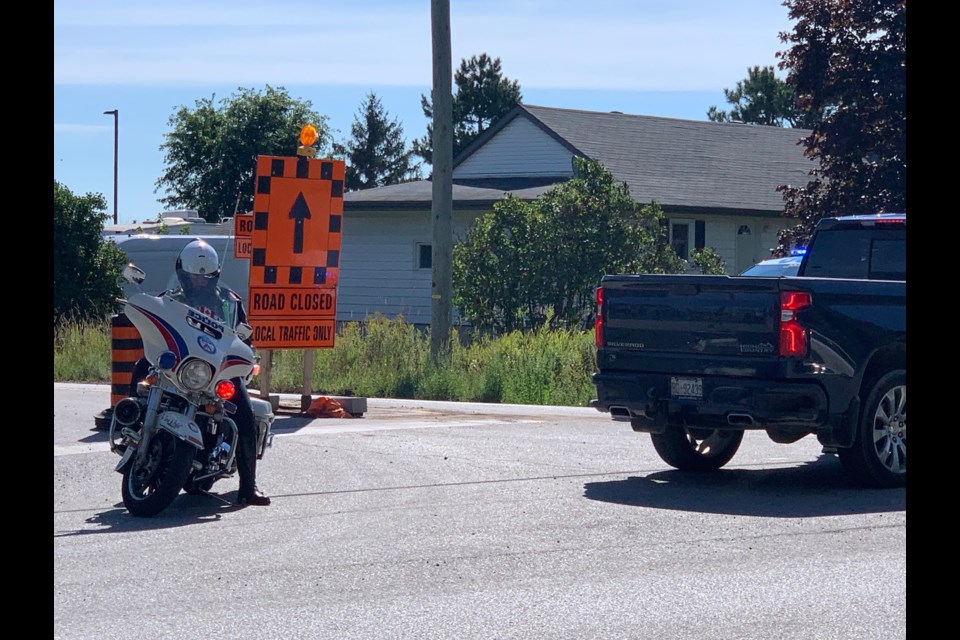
<point x="150" y="487"/>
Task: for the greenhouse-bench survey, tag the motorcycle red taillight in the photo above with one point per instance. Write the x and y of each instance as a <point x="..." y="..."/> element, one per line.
<point x="226" y="390"/>
<point x="793" y="336"/>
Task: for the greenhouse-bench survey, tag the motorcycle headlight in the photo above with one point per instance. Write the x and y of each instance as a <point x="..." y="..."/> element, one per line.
<point x="195" y="374"/>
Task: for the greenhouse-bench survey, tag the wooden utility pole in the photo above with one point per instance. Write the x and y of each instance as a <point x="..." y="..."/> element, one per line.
<point x="442" y="206"/>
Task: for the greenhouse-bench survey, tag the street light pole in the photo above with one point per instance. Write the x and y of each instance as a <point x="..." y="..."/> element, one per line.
<point x="116" y="131"/>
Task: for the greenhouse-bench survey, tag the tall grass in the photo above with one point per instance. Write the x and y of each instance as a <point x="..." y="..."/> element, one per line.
<point x="81" y="351"/>
<point x="390" y="358"/>
<point x="379" y="358"/>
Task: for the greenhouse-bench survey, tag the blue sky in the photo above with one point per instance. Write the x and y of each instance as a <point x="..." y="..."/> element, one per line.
<point x="146" y="59"/>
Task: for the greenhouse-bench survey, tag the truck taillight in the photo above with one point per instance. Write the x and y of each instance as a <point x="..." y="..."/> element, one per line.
<point x="793" y="336"/>
<point x="598" y="327"/>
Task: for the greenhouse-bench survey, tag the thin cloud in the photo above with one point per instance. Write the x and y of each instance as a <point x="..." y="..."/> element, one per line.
<point x="82" y="129"/>
<point x="301" y="16"/>
<point x="615" y="45"/>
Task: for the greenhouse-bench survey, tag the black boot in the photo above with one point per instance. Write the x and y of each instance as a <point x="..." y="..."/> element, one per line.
<point x="247" y="451"/>
<point x="252" y="496"/>
<point x="247" y="470"/>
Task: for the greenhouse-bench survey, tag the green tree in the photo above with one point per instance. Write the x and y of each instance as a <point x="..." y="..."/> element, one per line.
<point x="86" y="268"/>
<point x="376" y="153"/>
<point x="763" y="98"/>
<point x="527" y="263"/>
<point x="211" y="150"/>
<point x="708" y="261"/>
<point x="847" y="58"/>
<point x="483" y="96"/>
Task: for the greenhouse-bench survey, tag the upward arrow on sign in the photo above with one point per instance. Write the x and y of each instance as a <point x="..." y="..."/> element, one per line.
<point x="298" y="213"/>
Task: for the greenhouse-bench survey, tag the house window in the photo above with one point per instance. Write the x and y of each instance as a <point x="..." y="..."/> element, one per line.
<point x="683" y="231"/>
<point x="424" y="256"/>
<point x="680" y="238"/>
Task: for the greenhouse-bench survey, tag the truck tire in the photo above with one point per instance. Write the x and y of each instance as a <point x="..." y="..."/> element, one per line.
<point x="690" y="449"/>
<point x="878" y="457"/>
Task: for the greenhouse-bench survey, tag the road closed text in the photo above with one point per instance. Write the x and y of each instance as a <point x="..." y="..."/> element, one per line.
<point x="292" y="302"/>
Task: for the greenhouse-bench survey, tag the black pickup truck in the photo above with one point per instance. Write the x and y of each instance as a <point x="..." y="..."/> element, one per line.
<point x="695" y="360"/>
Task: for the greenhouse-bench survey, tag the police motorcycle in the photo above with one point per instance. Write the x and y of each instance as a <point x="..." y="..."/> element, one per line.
<point x="176" y="432"/>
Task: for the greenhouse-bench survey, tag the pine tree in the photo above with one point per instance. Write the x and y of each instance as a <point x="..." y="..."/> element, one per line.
<point x="483" y="96"/>
<point x="376" y="153"/>
<point x="763" y="98"/>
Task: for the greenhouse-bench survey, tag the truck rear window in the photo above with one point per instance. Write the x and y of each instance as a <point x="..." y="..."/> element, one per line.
<point x="839" y="254"/>
<point x="888" y="259"/>
<point x="868" y="254"/>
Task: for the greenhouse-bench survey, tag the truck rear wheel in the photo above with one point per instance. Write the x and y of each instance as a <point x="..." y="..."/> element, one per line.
<point x="878" y="456"/>
<point x="692" y="449"/>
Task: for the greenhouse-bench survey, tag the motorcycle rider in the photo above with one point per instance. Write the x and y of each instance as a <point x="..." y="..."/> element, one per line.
<point x="198" y="274"/>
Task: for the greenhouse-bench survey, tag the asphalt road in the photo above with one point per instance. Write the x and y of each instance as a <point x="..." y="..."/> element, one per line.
<point x="462" y="521"/>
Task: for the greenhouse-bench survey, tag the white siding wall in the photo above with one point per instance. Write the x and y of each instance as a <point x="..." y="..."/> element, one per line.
<point x="720" y="233"/>
<point x="768" y="235"/>
<point x="378" y="264"/>
<point x="520" y="149"/>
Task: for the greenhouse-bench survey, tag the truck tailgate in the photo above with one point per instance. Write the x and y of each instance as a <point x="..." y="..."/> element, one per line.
<point x="726" y="323"/>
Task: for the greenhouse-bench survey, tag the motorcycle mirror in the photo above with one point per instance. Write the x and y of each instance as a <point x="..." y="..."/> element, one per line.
<point x="244" y="331"/>
<point x="134" y="274"/>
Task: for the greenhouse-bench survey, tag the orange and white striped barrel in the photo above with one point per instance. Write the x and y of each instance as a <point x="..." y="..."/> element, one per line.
<point x="126" y="349"/>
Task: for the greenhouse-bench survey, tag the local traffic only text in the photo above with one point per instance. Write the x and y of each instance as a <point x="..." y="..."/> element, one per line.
<point x="269" y="334"/>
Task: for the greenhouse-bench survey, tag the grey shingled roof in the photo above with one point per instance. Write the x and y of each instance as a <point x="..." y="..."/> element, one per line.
<point x="686" y="163"/>
<point x="467" y="194"/>
<point x="682" y="164"/>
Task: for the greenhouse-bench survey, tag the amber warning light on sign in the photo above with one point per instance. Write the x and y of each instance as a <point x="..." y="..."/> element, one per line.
<point x="308" y="136"/>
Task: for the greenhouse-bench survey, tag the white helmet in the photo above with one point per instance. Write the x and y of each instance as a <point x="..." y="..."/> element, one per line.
<point x="198" y="259"/>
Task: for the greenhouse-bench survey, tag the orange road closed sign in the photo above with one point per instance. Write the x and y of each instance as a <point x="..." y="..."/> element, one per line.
<point x="295" y="251"/>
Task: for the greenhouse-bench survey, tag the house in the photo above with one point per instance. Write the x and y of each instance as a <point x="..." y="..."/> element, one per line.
<point x="716" y="183"/>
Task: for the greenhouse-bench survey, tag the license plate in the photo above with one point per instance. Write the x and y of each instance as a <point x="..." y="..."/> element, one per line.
<point x="174" y="420"/>
<point x="686" y="387"/>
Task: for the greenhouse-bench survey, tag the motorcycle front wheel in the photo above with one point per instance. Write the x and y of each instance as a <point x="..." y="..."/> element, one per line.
<point x="149" y="487"/>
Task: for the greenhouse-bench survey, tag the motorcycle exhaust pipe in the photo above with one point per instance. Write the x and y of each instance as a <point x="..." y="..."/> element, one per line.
<point x="127" y="412"/>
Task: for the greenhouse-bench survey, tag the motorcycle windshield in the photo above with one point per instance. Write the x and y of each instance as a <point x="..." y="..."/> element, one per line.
<point x="212" y="304"/>
<point x="166" y="324"/>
